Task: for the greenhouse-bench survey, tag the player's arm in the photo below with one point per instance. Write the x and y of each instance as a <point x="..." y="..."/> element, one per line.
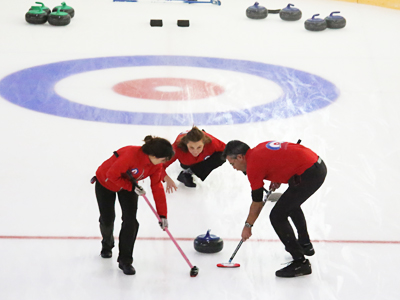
<point x="255" y="209"/>
<point x="171" y="186"/>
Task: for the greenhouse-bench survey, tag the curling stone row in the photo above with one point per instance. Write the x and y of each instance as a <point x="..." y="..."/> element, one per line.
<point x="332" y="22"/>
<point x="289" y="13"/>
<point x="59" y="16"/>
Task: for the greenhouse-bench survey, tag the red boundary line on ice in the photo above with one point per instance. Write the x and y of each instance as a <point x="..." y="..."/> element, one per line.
<point x="184" y="239"/>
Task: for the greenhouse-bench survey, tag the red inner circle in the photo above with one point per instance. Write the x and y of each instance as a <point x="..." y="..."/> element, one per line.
<point x="189" y="89"/>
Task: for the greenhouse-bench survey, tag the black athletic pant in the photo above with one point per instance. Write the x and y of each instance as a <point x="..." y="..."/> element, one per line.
<point x="204" y="168"/>
<point x="300" y="189"/>
<point x="130" y="225"/>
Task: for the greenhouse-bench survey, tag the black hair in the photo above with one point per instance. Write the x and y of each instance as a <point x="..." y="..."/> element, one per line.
<point x="234" y="148"/>
<point x="157" y="147"/>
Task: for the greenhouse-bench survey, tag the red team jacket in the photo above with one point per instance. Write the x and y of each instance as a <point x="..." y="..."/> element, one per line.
<point x="188" y="159"/>
<point x="277" y="162"/>
<point x="112" y="174"/>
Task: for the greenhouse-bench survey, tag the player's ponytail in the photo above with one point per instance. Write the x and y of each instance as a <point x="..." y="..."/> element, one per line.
<point x="157" y="147"/>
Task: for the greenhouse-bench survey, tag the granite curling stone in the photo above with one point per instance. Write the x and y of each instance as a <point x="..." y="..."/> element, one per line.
<point x="45" y="8"/>
<point x="36" y="15"/>
<point x="335" y="22"/>
<point x="208" y="243"/>
<point x="256" y="12"/>
<point x="65" y="8"/>
<point x="290" y="13"/>
<point x="59" y="18"/>
<point x="315" y="24"/>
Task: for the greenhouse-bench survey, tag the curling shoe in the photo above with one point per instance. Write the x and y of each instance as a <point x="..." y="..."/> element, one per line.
<point x="308" y="249"/>
<point x="128" y="269"/>
<point x="295" y="268"/>
<point x="186" y="179"/>
<point x="105" y="253"/>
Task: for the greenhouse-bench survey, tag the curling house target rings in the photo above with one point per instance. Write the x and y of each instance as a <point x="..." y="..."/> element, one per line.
<point x="33" y="88"/>
<point x="184" y="89"/>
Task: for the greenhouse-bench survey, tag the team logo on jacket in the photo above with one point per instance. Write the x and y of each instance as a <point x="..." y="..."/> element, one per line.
<point x="274" y="145"/>
<point x="134" y="171"/>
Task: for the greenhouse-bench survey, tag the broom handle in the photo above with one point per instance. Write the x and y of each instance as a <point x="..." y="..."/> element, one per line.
<point x="169" y="233"/>
<point x="236" y="250"/>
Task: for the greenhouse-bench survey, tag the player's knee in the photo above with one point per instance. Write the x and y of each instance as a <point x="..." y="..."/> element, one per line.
<point x="276" y="217"/>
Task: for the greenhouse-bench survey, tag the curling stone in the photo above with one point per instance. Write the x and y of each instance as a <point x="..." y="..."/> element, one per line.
<point x="315" y="24"/>
<point x="65" y="8"/>
<point x="59" y="18"/>
<point x="208" y="243"/>
<point x="335" y="22"/>
<point x="45" y="8"/>
<point x="36" y="15"/>
<point x="256" y="12"/>
<point x="290" y="13"/>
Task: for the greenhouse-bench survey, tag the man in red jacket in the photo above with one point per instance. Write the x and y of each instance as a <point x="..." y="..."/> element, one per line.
<point x="118" y="175"/>
<point x="281" y="163"/>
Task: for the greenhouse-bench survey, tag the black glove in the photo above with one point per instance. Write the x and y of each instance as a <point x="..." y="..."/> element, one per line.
<point x="139" y="190"/>
<point x="135" y="186"/>
<point x="163" y="223"/>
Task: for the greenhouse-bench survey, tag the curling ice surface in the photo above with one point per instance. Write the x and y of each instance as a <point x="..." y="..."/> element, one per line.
<point x="47" y="160"/>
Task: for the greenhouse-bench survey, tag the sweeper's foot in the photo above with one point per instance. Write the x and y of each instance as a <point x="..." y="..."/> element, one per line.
<point x="128" y="269"/>
<point x="186" y="179"/>
<point x="295" y="268"/>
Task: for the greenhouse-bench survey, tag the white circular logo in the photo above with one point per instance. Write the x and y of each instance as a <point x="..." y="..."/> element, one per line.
<point x="274" y="145"/>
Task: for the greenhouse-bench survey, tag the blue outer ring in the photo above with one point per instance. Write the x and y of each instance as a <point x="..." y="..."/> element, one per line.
<point x="33" y="88"/>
